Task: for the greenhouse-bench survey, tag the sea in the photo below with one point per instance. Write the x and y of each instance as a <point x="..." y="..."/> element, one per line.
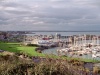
<point x="65" y="33"/>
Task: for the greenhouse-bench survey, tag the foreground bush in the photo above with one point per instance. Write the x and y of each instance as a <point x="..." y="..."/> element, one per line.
<point x="13" y="65"/>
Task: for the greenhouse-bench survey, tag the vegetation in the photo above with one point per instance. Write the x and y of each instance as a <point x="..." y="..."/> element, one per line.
<point x="17" y="48"/>
<point x="13" y="65"/>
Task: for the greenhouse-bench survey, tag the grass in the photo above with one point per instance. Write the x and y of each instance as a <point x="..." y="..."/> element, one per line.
<point x="86" y="60"/>
<point x="81" y="59"/>
<point x="17" y="48"/>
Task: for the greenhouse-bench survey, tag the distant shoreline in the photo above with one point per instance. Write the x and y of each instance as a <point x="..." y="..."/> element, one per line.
<point x="51" y="31"/>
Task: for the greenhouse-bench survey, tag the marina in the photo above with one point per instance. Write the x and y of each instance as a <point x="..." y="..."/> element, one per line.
<point x="81" y="46"/>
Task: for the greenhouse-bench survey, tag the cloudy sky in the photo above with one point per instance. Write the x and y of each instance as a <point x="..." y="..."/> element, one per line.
<point x="49" y="15"/>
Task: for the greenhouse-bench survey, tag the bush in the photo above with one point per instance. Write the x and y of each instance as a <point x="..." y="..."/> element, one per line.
<point x="35" y="45"/>
<point x="12" y="65"/>
<point x="39" y="51"/>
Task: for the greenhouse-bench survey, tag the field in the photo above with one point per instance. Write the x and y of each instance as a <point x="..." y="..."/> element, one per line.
<point x="16" y="47"/>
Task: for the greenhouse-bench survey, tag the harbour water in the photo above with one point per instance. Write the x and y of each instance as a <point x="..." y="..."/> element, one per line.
<point x="54" y="52"/>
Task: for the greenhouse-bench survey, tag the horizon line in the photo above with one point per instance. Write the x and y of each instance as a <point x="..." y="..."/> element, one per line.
<point x="53" y="30"/>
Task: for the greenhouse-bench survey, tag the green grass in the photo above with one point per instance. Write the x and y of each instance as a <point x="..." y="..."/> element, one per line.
<point x="16" y="47"/>
<point x="81" y="59"/>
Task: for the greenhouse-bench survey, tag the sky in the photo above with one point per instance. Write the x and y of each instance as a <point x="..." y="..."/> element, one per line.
<point x="23" y="15"/>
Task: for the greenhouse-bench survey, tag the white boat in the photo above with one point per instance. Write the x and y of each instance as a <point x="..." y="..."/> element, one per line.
<point x="94" y="56"/>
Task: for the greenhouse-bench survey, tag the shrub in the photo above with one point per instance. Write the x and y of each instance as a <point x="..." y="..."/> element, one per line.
<point x="35" y="45"/>
<point x="12" y="65"/>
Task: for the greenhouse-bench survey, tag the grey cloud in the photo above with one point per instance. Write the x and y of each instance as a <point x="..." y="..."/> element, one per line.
<point x="50" y="14"/>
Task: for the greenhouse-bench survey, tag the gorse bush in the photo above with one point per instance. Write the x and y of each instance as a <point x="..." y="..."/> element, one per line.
<point x="13" y="65"/>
